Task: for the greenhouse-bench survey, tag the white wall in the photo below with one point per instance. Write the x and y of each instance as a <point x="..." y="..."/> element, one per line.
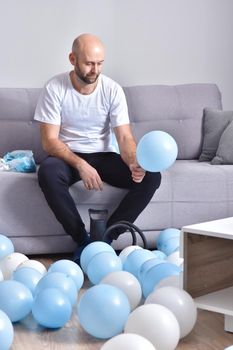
<point x="147" y="41"/>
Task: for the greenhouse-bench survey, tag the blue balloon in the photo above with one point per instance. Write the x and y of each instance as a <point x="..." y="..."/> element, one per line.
<point x="166" y="234"/>
<point x="135" y="259"/>
<point x="103" y="311"/>
<point x="171" y="245"/>
<point x="146" y="266"/>
<point x="51" y="308"/>
<point x="15" y="300"/>
<point x="155" y="274"/>
<point x="27" y="276"/>
<point x="92" y="249"/>
<point x="59" y="281"/>
<point x="156" y="151"/>
<point x="6" y="246"/>
<point x="71" y="269"/>
<point x="6" y="331"/>
<point x="159" y="254"/>
<point x="101" y="265"/>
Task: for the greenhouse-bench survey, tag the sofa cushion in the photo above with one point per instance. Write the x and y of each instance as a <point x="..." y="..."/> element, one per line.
<point x="18" y="129"/>
<point x="224" y="154"/>
<point x="215" y="122"/>
<point x="177" y="110"/>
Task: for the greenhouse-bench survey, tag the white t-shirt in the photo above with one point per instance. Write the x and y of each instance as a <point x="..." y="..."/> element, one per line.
<point x="85" y="120"/>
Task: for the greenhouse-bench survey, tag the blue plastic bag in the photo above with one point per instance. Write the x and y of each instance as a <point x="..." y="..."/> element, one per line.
<point x="20" y="161"/>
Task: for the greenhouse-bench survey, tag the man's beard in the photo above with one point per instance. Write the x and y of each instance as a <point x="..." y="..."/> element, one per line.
<point x="87" y="79"/>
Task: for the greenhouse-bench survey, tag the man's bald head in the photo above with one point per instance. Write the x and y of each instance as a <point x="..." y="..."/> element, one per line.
<point x="86" y="42"/>
<point x="87" y="57"/>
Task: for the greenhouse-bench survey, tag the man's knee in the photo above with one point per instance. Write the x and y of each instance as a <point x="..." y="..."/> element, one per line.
<point x="49" y="171"/>
<point x="152" y="180"/>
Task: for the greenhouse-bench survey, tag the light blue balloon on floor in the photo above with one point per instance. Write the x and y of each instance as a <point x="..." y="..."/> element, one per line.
<point x="103" y="311"/>
<point x="101" y="265"/>
<point x="71" y="269"/>
<point x="171" y="245"/>
<point x="51" y="308"/>
<point x="92" y="249"/>
<point x="27" y="276"/>
<point x="6" y="246"/>
<point x="135" y="259"/>
<point x="155" y="274"/>
<point x="229" y="347"/>
<point x="166" y="234"/>
<point x="147" y="265"/>
<point x="156" y="151"/>
<point x="6" y="331"/>
<point x="15" y="300"/>
<point x="159" y="254"/>
<point x="59" y="281"/>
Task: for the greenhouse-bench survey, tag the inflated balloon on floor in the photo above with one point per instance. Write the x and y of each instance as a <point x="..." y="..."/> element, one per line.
<point x="103" y="311"/>
<point x="6" y="246"/>
<point x="157" y="324"/>
<point x="156" y="151"/>
<point x="6" y="331"/>
<point x="128" y="341"/>
<point x="180" y="303"/>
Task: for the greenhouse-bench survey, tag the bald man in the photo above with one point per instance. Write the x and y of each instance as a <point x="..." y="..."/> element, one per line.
<point x="77" y="111"/>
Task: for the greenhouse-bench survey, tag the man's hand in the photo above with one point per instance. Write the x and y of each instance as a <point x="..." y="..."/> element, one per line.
<point x="90" y="176"/>
<point x="137" y="172"/>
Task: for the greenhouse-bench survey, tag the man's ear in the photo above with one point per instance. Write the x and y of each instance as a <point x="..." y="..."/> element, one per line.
<point x="72" y="58"/>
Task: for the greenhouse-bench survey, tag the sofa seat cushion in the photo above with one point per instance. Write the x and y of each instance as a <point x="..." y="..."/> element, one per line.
<point x="190" y="192"/>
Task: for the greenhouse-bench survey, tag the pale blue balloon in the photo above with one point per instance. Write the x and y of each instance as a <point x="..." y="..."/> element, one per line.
<point x="15" y="300"/>
<point x="159" y="254"/>
<point x="51" y="308"/>
<point x="146" y="266"/>
<point x="6" y="331"/>
<point x="6" y="246"/>
<point x="71" y="269"/>
<point x="135" y="259"/>
<point x="27" y="276"/>
<point x="59" y="281"/>
<point x="92" y="249"/>
<point x="103" y="311"/>
<point x="155" y="274"/>
<point x="171" y="245"/>
<point x="156" y="151"/>
<point x="166" y="234"/>
<point x="101" y="265"/>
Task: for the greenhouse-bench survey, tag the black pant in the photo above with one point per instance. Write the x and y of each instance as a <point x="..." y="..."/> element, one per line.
<point x="55" y="177"/>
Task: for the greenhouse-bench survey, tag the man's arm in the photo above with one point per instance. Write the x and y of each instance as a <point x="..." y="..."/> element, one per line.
<point x="55" y="147"/>
<point x="127" y="146"/>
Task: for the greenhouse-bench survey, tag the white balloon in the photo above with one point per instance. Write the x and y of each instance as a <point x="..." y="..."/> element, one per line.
<point x="176" y="259"/>
<point x="128" y="283"/>
<point x="10" y="262"/>
<point x="173" y="281"/>
<point x="128" y="341"/>
<point x="1" y="276"/>
<point x="126" y="251"/>
<point x="180" y="303"/>
<point x="157" y="324"/>
<point x="34" y="264"/>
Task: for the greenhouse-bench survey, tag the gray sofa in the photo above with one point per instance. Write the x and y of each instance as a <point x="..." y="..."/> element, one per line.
<point x="191" y="191"/>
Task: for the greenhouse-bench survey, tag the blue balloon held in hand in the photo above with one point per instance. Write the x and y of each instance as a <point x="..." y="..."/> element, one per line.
<point x="156" y="151"/>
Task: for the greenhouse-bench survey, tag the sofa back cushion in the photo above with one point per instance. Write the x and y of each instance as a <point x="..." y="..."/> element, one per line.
<point x="18" y="130"/>
<point x="176" y="109"/>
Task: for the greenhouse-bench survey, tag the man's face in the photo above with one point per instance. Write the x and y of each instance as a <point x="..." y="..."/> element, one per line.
<point x="88" y="65"/>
